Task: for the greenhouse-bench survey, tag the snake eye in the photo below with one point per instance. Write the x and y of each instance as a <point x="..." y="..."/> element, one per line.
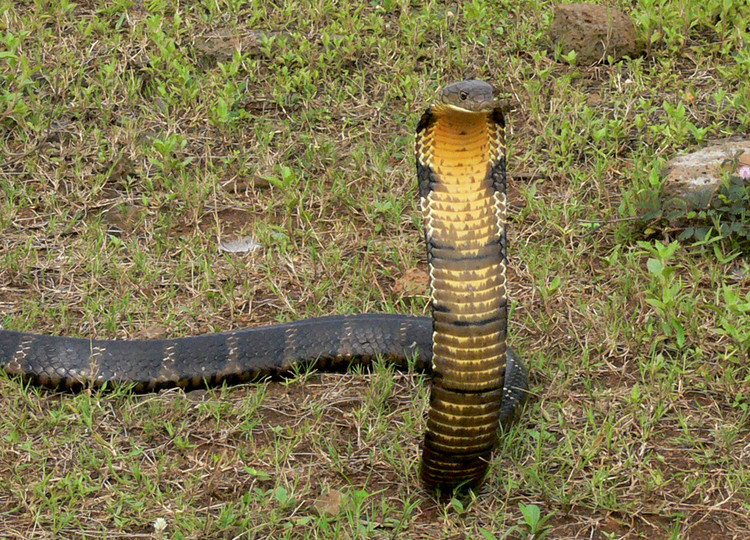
<point x="464" y="96"/>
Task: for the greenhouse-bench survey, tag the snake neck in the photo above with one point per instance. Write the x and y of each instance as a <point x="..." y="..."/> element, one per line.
<point x="464" y="227"/>
<point x="460" y="151"/>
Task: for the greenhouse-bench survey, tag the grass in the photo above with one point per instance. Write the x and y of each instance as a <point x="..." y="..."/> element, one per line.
<point x="130" y="150"/>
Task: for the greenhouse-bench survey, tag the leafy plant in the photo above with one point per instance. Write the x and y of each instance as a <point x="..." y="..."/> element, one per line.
<point x="731" y="312"/>
<point x="728" y="215"/>
<point x="666" y="292"/>
<point x="533" y="524"/>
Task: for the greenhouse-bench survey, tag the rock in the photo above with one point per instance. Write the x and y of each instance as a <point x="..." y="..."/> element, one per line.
<point x="220" y="45"/>
<point x="242" y="244"/>
<point x="690" y="180"/>
<point x="328" y="504"/>
<point x="594" y="32"/>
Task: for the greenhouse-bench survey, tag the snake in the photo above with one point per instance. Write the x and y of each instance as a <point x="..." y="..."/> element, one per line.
<point x="478" y="385"/>
<point x="461" y="170"/>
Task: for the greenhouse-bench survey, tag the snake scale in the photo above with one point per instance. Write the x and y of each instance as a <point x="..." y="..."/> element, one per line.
<point x="461" y="174"/>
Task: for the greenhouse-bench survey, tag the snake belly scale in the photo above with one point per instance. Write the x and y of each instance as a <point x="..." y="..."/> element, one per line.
<point x="469" y="392"/>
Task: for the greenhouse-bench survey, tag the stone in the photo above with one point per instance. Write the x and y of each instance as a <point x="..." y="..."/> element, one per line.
<point x="691" y="180"/>
<point x="594" y="33"/>
<point x="219" y="46"/>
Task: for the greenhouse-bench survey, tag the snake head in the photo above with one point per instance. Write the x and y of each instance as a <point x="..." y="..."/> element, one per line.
<point x="470" y="96"/>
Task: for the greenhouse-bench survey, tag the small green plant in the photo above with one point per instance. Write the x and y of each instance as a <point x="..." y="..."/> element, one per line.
<point x="730" y="210"/>
<point x="533" y="524"/>
<point x="734" y="309"/>
<point x="167" y="150"/>
<point x="678" y="128"/>
<point x="727" y="217"/>
<point x="665" y="292"/>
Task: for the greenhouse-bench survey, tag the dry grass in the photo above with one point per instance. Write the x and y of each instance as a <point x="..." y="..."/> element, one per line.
<point x="136" y="137"/>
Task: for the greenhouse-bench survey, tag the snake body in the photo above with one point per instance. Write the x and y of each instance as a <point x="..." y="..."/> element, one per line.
<point x="461" y="171"/>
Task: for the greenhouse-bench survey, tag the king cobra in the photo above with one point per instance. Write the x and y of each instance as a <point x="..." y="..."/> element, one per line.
<point x="461" y="172"/>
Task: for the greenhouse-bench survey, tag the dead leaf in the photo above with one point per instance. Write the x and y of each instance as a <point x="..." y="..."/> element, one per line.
<point x="328" y="504"/>
<point x="413" y="282"/>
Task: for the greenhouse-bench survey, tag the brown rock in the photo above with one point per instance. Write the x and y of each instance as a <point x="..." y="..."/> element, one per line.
<point x="220" y="45"/>
<point x="413" y="282"/>
<point x="593" y="32"/>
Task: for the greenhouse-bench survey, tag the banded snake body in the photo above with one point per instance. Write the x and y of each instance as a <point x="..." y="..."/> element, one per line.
<point x="461" y="173"/>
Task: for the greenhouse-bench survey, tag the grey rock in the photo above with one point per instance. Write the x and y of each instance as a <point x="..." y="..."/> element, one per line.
<point x="691" y="180"/>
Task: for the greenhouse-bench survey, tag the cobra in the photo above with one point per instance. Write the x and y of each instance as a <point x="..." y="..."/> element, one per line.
<point x="461" y="170"/>
<point x="460" y="150"/>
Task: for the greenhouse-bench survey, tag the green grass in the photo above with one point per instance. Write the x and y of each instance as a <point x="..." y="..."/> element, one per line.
<point x="129" y="153"/>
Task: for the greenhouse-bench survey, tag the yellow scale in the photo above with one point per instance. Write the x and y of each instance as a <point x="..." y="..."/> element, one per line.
<point x="466" y="290"/>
